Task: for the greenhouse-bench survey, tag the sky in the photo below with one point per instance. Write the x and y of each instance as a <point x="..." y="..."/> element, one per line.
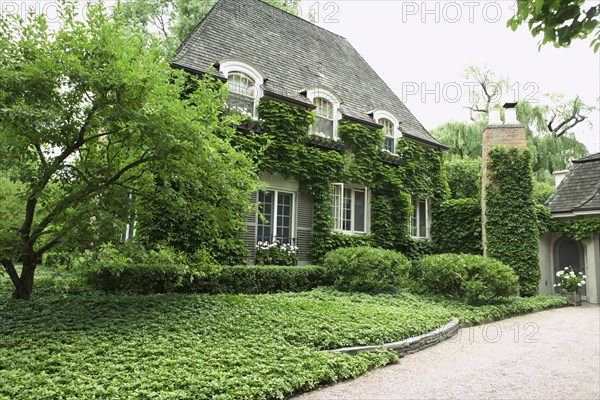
<point x="420" y="49"/>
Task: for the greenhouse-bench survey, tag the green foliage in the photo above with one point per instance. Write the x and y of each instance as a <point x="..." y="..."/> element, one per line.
<point x="251" y="346"/>
<point x="512" y="235"/>
<point x="456" y="227"/>
<point x="366" y="268"/>
<point x="11" y="214"/>
<point x="106" y="118"/>
<point x="294" y="153"/>
<point x="464" y="177"/>
<point x="542" y="191"/>
<point x="463" y="138"/>
<point x="472" y="277"/>
<point x="576" y="229"/>
<point x="559" y="21"/>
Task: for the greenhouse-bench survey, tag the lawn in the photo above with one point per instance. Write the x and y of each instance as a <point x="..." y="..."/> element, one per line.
<point x="71" y="342"/>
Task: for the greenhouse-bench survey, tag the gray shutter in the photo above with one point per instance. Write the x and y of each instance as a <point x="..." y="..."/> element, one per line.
<point x="250" y="234"/>
<point x="304" y="226"/>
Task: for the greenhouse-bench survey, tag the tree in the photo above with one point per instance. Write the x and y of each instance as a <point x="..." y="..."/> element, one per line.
<point x="560" y="21"/>
<point x="174" y="20"/>
<point x="92" y="113"/>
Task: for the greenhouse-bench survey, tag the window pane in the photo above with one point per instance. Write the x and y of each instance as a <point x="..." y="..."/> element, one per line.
<point x="388" y="144"/>
<point x="324" y="108"/>
<point x="242" y="92"/>
<point x="359" y="211"/>
<point x="422" y="218"/>
<point x="265" y="207"/>
<point x="347" y="212"/>
<point x="323" y="127"/>
<point x="284" y="216"/>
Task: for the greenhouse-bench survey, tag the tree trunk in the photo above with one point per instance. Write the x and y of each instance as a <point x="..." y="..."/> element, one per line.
<point x="24" y="286"/>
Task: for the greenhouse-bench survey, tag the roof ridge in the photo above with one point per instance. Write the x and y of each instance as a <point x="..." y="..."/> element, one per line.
<point x="293" y="15"/>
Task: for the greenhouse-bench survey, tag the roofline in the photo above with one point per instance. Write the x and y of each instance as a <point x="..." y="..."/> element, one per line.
<point x="437" y="145"/>
<point x="362" y="121"/>
<point x="286" y="99"/>
<point x="575" y="213"/>
<point x="586" y="159"/>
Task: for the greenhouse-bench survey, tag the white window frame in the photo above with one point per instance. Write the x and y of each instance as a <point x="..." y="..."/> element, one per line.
<point x="379" y="114"/>
<point x="417" y="200"/>
<point x="234" y="65"/>
<point x="338" y="211"/>
<point x="335" y="101"/>
<point x="275" y="215"/>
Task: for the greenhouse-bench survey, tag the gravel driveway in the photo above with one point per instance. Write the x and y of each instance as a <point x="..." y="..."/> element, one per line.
<point x="552" y="354"/>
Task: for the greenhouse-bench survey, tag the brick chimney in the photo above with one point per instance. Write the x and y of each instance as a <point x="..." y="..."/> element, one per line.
<point x="508" y="134"/>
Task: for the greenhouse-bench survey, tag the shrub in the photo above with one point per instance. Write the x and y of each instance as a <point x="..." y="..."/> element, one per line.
<point x="257" y="279"/>
<point x="366" y="268"/>
<point x="467" y="276"/>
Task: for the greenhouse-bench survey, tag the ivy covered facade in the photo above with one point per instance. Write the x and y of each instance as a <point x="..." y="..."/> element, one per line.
<point x="342" y="160"/>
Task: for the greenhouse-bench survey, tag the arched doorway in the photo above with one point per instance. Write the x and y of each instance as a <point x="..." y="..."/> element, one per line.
<point x="568" y="253"/>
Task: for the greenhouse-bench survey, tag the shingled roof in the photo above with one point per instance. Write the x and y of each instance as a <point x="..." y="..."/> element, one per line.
<point x="579" y="191"/>
<point x="289" y="51"/>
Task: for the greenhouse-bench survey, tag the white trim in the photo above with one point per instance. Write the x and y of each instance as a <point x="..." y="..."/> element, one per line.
<point x="568" y="214"/>
<point x="331" y="97"/>
<point x="338" y="211"/>
<point x="227" y="66"/>
<point x="274" y="204"/>
<point x="427" y="219"/>
<point x="380" y="113"/>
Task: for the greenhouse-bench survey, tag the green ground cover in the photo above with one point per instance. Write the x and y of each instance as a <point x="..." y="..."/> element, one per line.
<point x="73" y="342"/>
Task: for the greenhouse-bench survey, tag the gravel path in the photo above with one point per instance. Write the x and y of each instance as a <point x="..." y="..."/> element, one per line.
<point x="552" y="354"/>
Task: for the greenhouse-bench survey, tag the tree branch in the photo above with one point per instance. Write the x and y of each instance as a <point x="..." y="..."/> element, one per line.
<point x="11" y="271"/>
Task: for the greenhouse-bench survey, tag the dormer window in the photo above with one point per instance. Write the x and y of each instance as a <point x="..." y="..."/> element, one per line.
<point x="245" y="86"/>
<point x="242" y="93"/>
<point x="327" y="106"/>
<point x="389" y="124"/>
<point x="389" y="142"/>
<point x="324" y="124"/>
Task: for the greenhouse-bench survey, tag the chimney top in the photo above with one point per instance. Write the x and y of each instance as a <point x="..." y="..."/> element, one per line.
<point x="509" y="105"/>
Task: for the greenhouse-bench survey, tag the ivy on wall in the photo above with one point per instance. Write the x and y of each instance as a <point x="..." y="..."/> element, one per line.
<point x="576" y="229"/>
<point x="512" y="234"/>
<point x="290" y="150"/>
<point x="456" y="226"/>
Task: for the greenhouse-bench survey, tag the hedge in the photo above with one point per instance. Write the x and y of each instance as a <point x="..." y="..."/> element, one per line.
<point x="152" y="278"/>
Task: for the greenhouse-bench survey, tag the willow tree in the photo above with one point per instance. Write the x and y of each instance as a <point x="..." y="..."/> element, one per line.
<point x="92" y="110"/>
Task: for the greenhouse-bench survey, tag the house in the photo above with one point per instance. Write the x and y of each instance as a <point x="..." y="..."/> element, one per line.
<point x="327" y="183"/>
<point x="575" y="208"/>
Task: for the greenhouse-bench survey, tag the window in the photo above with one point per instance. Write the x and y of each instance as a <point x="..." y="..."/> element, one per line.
<point x="349" y="209"/>
<point x="276" y="208"/>
<point x="242" y="93"/>
<point x="389" y="140"/>
<point x="419" y="222"/>
<point x="327" y="112"/>
<point x="324" y="124"/>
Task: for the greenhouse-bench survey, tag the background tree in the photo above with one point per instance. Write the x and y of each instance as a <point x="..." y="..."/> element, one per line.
<point x="560" y="21"/>
<point x="92" y="112"/>
<point x="549" y="124"/>
<point x="174" y="20"/>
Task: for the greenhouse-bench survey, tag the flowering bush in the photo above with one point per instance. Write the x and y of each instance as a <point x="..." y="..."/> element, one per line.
<point x="276" y="253"/>
<point x="569" y="281"/>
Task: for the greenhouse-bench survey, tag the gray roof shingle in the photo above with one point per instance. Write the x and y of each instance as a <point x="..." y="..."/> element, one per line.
<point x="579" y="191"/>
<point x="288" y="50"/>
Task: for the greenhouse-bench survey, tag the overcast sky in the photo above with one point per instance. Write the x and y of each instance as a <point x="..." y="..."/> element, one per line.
<point x="421" y="48"/>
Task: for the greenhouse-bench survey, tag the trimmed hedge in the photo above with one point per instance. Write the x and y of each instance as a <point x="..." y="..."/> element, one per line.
<point x="244" y="279"/>
<point x="366" y="268"/>
<point x="468" y="276"/>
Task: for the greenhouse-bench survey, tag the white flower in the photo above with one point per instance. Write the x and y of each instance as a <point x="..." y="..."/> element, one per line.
<point x="555" y="285"/>
<point x="579" y="284"/>
<point x="559" y="273"/>
<point x="583" y="282"/>
<point x="566" y="268"/>
<point x="584" y="277"/>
